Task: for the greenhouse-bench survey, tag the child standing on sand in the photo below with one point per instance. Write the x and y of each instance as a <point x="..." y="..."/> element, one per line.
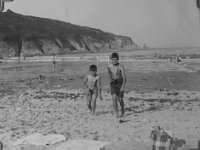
<point x="117" y="78"/>
<point x="93" y="84"/>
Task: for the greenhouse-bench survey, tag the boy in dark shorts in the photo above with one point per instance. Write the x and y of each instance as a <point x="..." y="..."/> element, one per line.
<point x="93" y="84"/>
<point x="117" y="78"/>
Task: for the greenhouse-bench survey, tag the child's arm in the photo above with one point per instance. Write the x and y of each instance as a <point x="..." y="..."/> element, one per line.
<point x="124" y="78"/>
<point x="85" y="81"/>
<point x="99" y="89"/>
<point x="109" y="73"/>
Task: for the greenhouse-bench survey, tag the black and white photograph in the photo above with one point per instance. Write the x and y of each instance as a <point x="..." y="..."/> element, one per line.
<point x="99" y="74"/>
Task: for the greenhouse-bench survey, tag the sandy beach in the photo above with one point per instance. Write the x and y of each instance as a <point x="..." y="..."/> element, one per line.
<point x="65" y="112"/>
<point x="157" y="93"/>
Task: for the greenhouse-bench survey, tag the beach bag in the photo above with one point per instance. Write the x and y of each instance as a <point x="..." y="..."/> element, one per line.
<point x="161" y="139"/>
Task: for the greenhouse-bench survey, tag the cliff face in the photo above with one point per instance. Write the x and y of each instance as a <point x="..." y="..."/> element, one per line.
<point x="29" y="36"/>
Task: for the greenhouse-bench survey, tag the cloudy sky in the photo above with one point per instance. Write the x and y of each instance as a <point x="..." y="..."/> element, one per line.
<point x="158" y="23"/>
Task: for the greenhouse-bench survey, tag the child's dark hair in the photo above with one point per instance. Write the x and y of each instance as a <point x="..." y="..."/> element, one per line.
<point x="115" y="55"/>
<point x="93" y="68"/>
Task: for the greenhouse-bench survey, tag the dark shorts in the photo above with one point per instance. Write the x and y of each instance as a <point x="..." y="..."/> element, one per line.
<point x="92" y="91"/>
<point x="115" y="86"/>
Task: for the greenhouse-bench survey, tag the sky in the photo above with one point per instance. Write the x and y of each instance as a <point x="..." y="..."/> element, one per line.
<point x="157" y="23"/>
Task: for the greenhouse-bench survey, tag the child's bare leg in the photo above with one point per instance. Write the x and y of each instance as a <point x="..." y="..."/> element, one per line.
<point x="94" y="98"/>
<point x="89" y="99"/>
<point x="115" y="105"/>
<point x="121" y="102"/>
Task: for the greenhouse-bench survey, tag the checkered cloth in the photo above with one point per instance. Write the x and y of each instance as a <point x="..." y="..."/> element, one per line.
<point x="161" y="139"/>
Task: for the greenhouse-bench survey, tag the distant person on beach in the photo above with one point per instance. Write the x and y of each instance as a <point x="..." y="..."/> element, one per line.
<point x="54" y="62"/>
<point x="93" y="84"/>
<point x="117" y="78"/>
